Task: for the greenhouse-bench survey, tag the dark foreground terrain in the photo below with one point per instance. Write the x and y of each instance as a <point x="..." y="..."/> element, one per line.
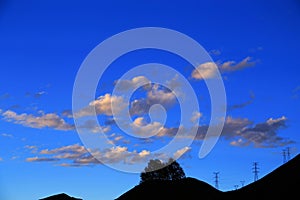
<point x="62" y="196"/>
<point x="282" y="183"/>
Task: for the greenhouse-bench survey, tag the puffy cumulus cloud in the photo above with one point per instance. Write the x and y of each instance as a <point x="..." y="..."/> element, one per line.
<point x="135" y="82"/>
<point x="205" y="71"/>
<point x="77" y="155"/>
<point x="50" y="120"/>
<point x="139" y="127"/>
<point x="209" y="69"/>
<point x="155" y="95"/>
<point x="264" y="135"/>
<point x="103" y="105"/>
<point x="234" y="126"/>
<point x="139" y="107"/>
<point x="160" y="96"/>
<point x="242" y="132"/>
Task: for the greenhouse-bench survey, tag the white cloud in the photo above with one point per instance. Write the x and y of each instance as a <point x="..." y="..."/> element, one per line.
<point x="32" y="148"/>
<point x="242" y="132"/>
<point x="139" y="127"/>
<point x="205" y="71"/>
<point x="238" y="142"/>
<point x="77" y="155"/>
<point x="39" y="94"/>
<point x="37" y="159"/>
<point x="103" y="105"/>
<point x="196" y="115"/>
<point x="118" y="138"/>
<point x="182" y="151"/>
<point x="125" y="85"/>
<point x="272" y="121"/>
<point x="144" y="153"/>
<point x="74" y="149"/>
<point x="92" y="126"/>
<point x="139" y="107"/>
<point x="160" y="96"/>
<point x="50" y="120"/>
<point x="7" y="135"/>
<point x="209" y="69"/>
<point x="231" y="66"/>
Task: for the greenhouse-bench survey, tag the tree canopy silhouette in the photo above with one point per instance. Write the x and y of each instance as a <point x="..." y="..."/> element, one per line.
<point x="157" y="170"/>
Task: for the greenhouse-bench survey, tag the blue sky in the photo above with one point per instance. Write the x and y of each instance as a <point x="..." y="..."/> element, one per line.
<point x="254" y="44"/>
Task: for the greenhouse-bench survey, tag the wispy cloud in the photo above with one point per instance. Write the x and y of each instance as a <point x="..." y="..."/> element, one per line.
<point x="67" y="113"/>
<point x="39" y="94"/>
<point x="243" y="132"/>
<point x="37" y="159"/>
<point x="244" y="104"/>
<point x="7" y="135"/>
<point x="215" y="52"/>
<point x="4" y="96"/>
<point x="181" y="152"/>
<point x="231" y="66"/>
<point x="77" y="155"/>
<point x="50" y="120"/>
<point x="296" y="92"/>
<point x="91" y="125"/>
<point x="209" y="69"/>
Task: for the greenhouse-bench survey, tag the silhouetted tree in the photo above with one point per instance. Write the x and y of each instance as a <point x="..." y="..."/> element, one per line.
<point x="157" y="170"/>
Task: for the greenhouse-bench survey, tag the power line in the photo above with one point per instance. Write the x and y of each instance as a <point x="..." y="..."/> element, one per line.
<point x="216" y="179"/>
<point x="255" y="170"/>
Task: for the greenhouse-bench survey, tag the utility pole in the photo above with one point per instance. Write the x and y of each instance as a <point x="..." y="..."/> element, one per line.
<point x="288" y="153"/>
<point x="255" y="171"/>
<point x="284" y="156"/>
<point x="216" y="179"/>
<point x="242" y="183"/>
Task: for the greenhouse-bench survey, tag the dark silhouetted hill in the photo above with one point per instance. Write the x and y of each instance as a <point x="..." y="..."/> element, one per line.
<point x="62" y="196"/>
<point x="282" y="183"/>
<point x="189" y="188"/>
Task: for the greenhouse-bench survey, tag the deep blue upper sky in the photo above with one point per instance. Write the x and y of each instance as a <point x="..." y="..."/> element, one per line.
<point x="43" y="44"/>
